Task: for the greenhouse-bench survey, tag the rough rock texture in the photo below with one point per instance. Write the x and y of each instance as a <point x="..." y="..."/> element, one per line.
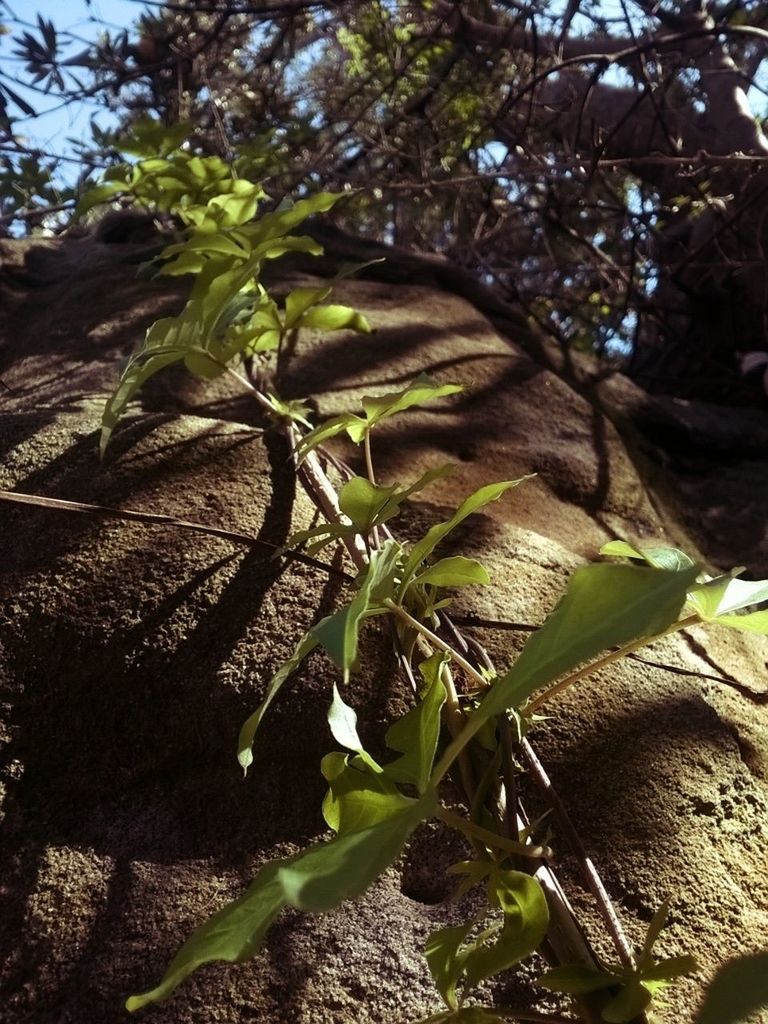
<point x="130" y="654"/>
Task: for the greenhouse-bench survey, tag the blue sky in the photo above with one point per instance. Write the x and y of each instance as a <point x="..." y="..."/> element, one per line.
<point x="80" y="19"/>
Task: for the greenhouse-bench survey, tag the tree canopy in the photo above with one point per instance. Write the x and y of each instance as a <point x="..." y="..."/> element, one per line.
<point x="603" y="164"/>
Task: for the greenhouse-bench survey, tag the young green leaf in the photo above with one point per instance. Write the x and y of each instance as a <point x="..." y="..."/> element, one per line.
<point x="672" y="559"/>
<point x="375" y="409"/>
<point x="339" y="632"/>
<point x="333" y="317"/>
<point x="740" y="594"/>
<point x="576" y="979"/>
<point x="665" y="971"/>
<point x="479" y="499"/>
<point x="138" y="371"/>
<point x="306" y="645"/>
<point x="474" y="871"/>
<point x="320" y="536"/>
<point x="456" y="571"/>
<point x="446" y="956"/>
<point x="369" y="505"/>
<point x="331" y="428"/>
<point x="526" y="919"/>
<point x="655" y="928"/>
<point x="316" y="880"/>
<point x="753" y="622"/>
<point x="329" y="873"/>
<point x="416" y="734"/>
<point x="357" y="797"/>
<point x="605" y="605"/>
<point x="423" y="389"/>
<point x="632" y="1000"/>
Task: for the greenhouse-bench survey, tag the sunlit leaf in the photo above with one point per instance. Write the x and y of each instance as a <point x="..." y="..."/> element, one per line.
<point x="456" y="571"/>
<point x="605" y="605"/>
<point x="357" y="797"/>
<point x="316" y="880"/>
<point x="446" y="955"/>
<point x="335" y="318"/>
<point x="299" y="300"/>
<point x="479" y="499"/>
<point x="753" y="622"/>
<point x="416" y="734"/>
<point x="526" y="919"/>
<point x="135" y="375"/>
<point x="423" y="389"/>
<point x="339" y="632"/>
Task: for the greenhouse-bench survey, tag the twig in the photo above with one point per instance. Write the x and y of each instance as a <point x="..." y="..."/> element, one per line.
<point x="157" y="519"/>
<point x="592" y="878"/>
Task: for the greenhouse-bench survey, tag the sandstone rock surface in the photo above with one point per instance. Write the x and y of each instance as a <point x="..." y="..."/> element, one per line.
<point x="130" y="654"/>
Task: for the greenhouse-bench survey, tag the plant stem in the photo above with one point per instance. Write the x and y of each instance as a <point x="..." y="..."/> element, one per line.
<point x="435" y="640"/>
<point x="491" y="839"/>
<point x="369" y="457"/>
<point x="608" y="659"/>
<point x="260" y="398"/>
<point x="592" y="878"/>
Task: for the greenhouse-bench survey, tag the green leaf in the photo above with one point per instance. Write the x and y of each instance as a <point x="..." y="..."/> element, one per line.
<point x="672" y="559"/>
<point x="669" y="969"/>
<point x="526" y="919"/>
<point x="331" y="428"/>
<point x="655" y="928"/>
<point x="479" y="499"/>
<point x="320" y="535"/>
<point x="135" y="374"/>
<point x="381" y="407"/>
<point x="739" y="988"/>
<point x="335" y="318"/>
<point x="202" y="363"/>
<point x="576" y="979"/>
<point x="633" y="999"/>
<point x="339" y="632"/>
<point x="329" y="873"/>
<point x="357" y="796"/>
<point x="456" y="571"/>
<point x="620" y="549"/>
<point x="316" y="880"/>
<point x="753" y="622"/>
<point x="240" y="206"/>
<point x="605" y="605"/>
<point x="343" y="722"/>
<point x="299" y="300"/>
<point x="367" y="504"/>
<point x="740" y="594"/>
<point x="278" y="223"/>
<point x="218" y="243"/>
<point x="416" y="734"/>
<point x="306" y="645"/>
<point x="446" y="957"/>
<point x="474" y="871"/>
<point x="233" y="934"/>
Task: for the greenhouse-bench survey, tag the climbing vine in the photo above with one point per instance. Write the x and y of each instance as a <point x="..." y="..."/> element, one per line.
<point x="469" y="722"/>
